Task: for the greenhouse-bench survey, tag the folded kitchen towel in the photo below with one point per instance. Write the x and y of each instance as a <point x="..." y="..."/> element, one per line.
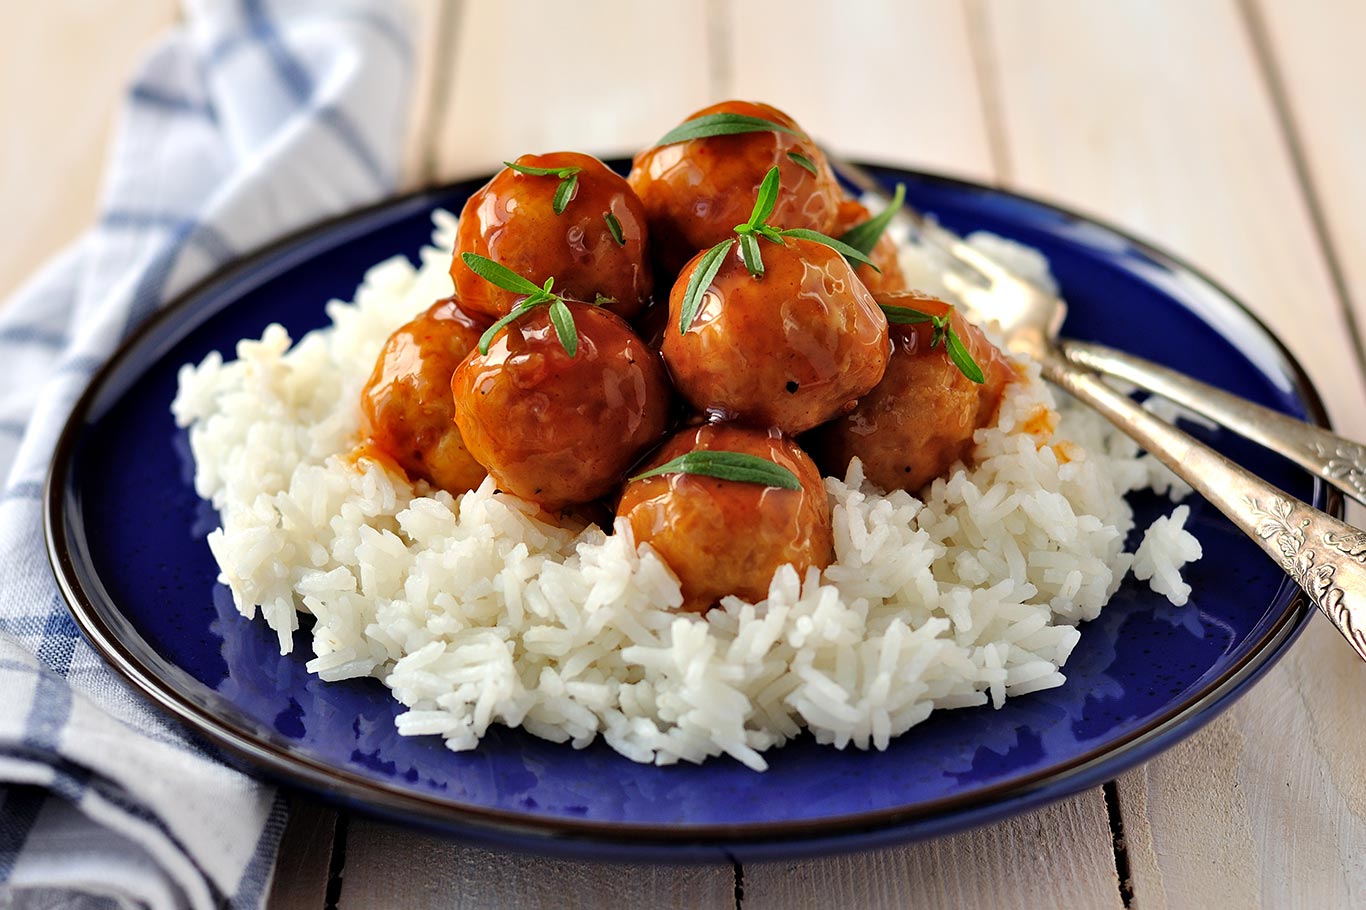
<point x="252" y="119"/>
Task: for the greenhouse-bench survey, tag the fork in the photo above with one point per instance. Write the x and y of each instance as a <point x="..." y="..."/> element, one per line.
<point x="1325" y="556"/>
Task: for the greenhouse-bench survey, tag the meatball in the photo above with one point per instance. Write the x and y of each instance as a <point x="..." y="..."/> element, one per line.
<point x="696" y="191"/>
<point x="726" y="537"/>
<point x="512" y="221"/>
<point x="884" y="252"/>
<point x="921" y="417"/>
<point x="789" y="350"/>
<point x="555" y="429"/>
<point x="407" y="411"/>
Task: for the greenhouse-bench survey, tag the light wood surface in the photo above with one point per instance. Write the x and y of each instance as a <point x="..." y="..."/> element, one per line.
<point x="62" y="71"/>
<point x="1233" y="133"/>
<point x="473" y="877"/>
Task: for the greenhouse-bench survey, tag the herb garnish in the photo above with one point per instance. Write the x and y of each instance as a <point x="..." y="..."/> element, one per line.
<point x="505" y="278"/>
<point x="569" y="179"/>
<point x="722" y="125"/>
<point x="943" y="331"/>
<point x="863" y="237"/>
<point x="735" y="466"/>
<point x="804" y="162"/>
<point x="701" y="279"/>
<point x="614" y="226"/>
<point x="749" y="232"/>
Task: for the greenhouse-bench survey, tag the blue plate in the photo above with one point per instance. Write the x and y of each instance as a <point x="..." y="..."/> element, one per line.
<point x="126" y="536"/>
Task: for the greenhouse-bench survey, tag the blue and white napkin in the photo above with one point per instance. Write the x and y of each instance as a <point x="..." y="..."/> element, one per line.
<point x="254" y="118"/>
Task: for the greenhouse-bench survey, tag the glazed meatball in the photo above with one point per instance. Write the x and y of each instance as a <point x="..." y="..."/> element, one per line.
<point x="726" y="537"/>
<point x="407" y="411"/>
<point x="789" y="350"/>
<point x="512" y="221"/>
<point x="695" y="192"/>
<point x="884" y="252"/>
<point x="555" y="429"/>
<point x="920" y="419"/>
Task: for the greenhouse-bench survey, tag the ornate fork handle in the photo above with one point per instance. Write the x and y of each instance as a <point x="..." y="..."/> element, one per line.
<point x="1325" y="556"/>
<point x="1339" y="461"/>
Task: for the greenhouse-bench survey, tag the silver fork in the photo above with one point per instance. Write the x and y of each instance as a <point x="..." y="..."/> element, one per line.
<point x="1325" y="556"/>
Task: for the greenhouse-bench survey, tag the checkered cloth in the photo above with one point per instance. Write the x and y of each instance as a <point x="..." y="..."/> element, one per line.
<point x="254" y="118"/>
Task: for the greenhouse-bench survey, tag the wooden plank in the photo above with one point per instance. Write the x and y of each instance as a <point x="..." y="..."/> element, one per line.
<point x="433" y="23"/>
<point x="877" y="79"/>
<point x="1267" y="806"/>
<point x="1318" y="75"/>
<point x="1059" y="856"/>
<point x="1189" y="154"/>
<point x="301" y="869"/>
<point x="61" y="78"/>
<point x="598" y="77"/>
<point x="387" y="866"/>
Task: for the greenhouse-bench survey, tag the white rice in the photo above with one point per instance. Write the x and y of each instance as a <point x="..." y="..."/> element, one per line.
<point x="473" y="612"/>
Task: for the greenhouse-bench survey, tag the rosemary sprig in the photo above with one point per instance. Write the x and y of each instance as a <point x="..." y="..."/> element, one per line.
<point x="723" y="124"/>
<point x="569" y="180"/>
<point x="723" y="465"/>
<point x="839" y="246"/>
<point x="502" y="276"/>
<point x="943" y="331"/>
<point x="765" y="200"/>
<point x="863" y="237"/>
<point x="701" y="279"/>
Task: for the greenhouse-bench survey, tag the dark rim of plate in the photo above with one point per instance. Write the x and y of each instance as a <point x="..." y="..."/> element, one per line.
<point x="90" y="610"/>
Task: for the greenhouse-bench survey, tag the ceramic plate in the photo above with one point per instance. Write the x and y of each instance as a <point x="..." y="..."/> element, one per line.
<point x="126" y="534"/>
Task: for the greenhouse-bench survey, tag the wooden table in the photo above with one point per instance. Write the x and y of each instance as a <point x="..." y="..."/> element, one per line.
<point x="1232" y="132"/>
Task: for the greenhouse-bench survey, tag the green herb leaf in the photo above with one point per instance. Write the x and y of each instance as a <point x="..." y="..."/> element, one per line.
<point x="749" y="251"/>
<point x="500" y="275"/>
<point x="702" y="277"/>
<point x="844" y="249"/>
<point x="765" y="199"/>
<point x="804" y="162"/>
<point x="563" y="321"/>
<point x="614" y="226"/>
<point x="735" y="466"/>
<point x="904" y="315"/>
<point x="505" y="278"/>
<point x="492" y="331"/>
<point x="863" y="237"/>
<point x="565" y="191"/>
<point x="943" y="331"/>
<point x="602" y="299"/>
<point x="569" y="179"/>
<point x="561" y="172"/>
<point x="722" y="125"/>
<point x="958" y="353"/>
<point x="770" y="233"/>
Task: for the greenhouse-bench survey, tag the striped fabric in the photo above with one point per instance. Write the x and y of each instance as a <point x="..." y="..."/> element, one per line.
<point x="254" y="118"/>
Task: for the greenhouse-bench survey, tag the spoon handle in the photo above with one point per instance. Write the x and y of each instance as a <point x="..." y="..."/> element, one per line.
<point x="1326" y="557"/>
<point x="1337" y="460"/>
